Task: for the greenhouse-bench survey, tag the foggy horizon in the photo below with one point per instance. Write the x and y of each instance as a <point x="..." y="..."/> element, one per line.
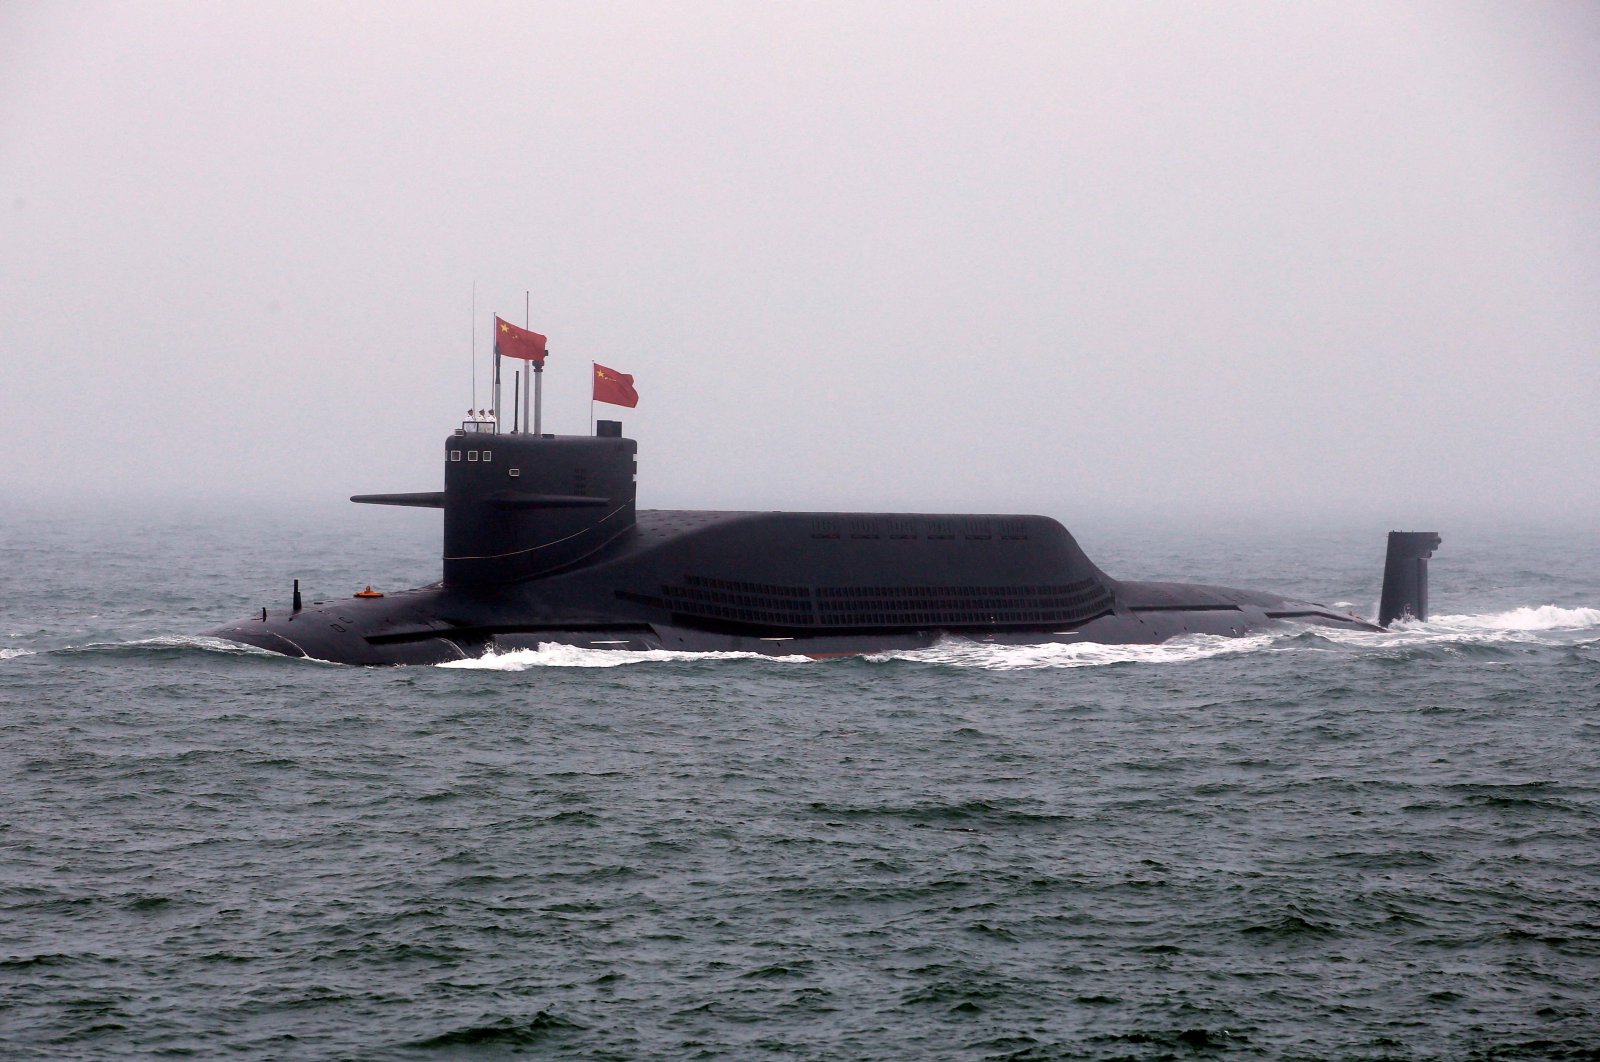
<point x="1089" y="261"/>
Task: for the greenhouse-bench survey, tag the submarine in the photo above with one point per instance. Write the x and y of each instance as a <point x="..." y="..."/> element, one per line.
<point x="543" y="544"/>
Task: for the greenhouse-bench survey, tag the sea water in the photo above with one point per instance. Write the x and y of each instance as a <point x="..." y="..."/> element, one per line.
<point x="1300" y="844"/>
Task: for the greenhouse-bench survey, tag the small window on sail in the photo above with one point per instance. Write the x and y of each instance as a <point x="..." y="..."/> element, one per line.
<point x="472" y="455"/>
<point x="455" y="455"/>
<point x="488" y="454"/>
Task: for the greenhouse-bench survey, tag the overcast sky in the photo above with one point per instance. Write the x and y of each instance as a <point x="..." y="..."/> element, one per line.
<point x="1077" y="259"/>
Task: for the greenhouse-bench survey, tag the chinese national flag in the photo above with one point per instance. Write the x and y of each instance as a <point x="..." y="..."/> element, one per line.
<point x="614" y="387"/>
<point x="513" y="342"/>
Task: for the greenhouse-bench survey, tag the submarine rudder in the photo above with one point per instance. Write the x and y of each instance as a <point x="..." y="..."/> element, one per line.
<point x="1405" y="576"/>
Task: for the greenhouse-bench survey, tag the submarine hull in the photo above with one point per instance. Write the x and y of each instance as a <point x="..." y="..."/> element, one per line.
<point x="366" y="633"/>
<point x="784" y="584"/>
<point x="543" y="544"/>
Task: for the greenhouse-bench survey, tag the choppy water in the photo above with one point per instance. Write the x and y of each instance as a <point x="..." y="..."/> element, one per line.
<point x="1298" y="845"/>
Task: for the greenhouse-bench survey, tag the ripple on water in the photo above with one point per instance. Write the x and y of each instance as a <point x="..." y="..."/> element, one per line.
<point x="1303" y="844"/>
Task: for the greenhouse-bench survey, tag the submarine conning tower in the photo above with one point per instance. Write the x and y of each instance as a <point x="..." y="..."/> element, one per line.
<point x="518" y="506"/>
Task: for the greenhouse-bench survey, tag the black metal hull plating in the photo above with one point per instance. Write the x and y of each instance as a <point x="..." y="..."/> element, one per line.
<point x="542" y="543"/>
<point x="785" y="584"/>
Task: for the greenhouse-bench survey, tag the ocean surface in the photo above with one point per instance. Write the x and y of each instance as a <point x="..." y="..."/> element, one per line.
<point x="1300" y="845"/>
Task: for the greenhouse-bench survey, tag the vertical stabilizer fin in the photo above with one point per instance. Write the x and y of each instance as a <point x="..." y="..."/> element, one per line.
<point x="1405" y="576"/>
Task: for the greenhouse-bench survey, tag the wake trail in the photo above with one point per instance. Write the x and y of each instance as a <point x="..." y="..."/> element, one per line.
<point x="1548" y="624"/>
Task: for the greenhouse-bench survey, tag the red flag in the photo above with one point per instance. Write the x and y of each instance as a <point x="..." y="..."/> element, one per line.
<point x="614" y="387"/>
<point x="513" y="342"/>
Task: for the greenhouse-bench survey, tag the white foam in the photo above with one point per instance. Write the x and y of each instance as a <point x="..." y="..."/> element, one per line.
<point x="174" y="641"/>
<point x="1526" y="624"/>
<point x="954" y="652"/>
<point x="554" y="654"/>
<point x="1526" y="618"/>
<point x="12" y="654"/>
<point x="991" y="657"/>
<point x="189" y="641"/>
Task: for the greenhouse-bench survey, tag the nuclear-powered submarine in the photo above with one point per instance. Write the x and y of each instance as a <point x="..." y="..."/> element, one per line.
<point x="542" y="543"/>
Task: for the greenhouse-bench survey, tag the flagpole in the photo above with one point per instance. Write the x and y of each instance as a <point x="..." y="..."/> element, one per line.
<point x="514" y="376"/>
<point x="497" y="377"/>
<point x="536" y="370"/>
<point x="474" y="344"/>
<point x="591" y="397"/>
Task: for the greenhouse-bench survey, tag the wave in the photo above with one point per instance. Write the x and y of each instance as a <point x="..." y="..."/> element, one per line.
<point x="554" y="654"/>
<point x="991" y="657"/>
<point x="1537" y="625"/>
<point x="1526" y="618"/>
<point x="957" y="652"/>
<point x="163" y="645"/>
<point x="1528" y="624"/>
<point x="185" y="641"/>
<point x="1549" y="624"/>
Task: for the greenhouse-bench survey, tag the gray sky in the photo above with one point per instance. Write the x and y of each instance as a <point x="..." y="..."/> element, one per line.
<point x="1078" y="259"/>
